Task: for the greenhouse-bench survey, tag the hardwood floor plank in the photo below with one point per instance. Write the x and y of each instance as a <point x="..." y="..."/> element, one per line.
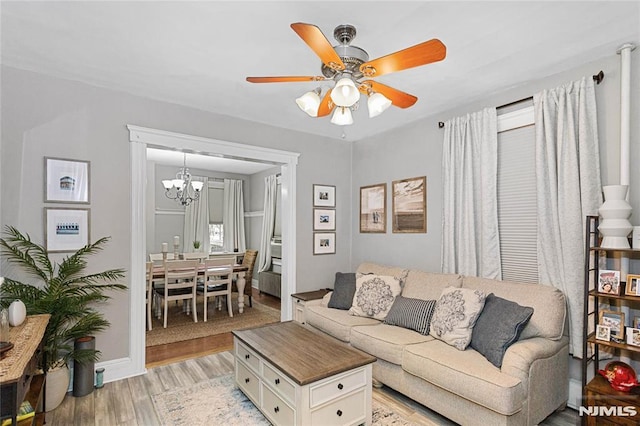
<point x="121" y="400"/>
<point x="84" y="410"/>
<point x="104" y="409"/>
<point x="145" y="412"/>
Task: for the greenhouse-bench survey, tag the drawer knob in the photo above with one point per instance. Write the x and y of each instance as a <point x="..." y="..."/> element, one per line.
<point x="247" y="356"/>
<point x="247" y="380"/>
<point x="277" y="409"/>
<point x="340" y="386"/>
<point x="277" y="381"/>
<point x="339" y="413"/>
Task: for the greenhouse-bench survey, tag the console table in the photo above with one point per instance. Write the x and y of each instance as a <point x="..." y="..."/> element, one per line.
<point x="19" y="379"/>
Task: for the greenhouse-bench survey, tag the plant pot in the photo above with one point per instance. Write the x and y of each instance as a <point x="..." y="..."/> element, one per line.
<point x="57" y="384"/>
<point x="17" y="313"/>
<point x="83" y="372"/>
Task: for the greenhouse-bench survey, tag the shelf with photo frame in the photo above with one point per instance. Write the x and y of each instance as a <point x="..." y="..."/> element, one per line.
<point x="606" y="327"/>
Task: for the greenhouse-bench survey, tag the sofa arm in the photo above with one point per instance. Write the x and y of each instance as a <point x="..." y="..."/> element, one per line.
<point x="521" y="355"/>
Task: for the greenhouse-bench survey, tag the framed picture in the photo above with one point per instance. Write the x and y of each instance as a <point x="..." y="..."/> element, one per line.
<point x="324" y="243"/>
<point x="66" y="229"/>
<point x="324" y="196"/>
<point x="632" y="288"/>
<point x="324" y="220"/>
<point x="67" y="181"/>
<point x="603" y="332"/>
<point x="636" y="322"/>
<point x="615" y="321"/>
<point x="410" y="205"/>
<point x="373" y="208"/>
<point x="609" y="281"/>
<point x="633" y="336"/>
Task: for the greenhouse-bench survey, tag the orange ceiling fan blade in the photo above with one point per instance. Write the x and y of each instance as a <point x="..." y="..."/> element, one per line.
<point x="414" y="56"/>
<point x="319" y="44"/>
<point x="326" y="105"/>
<point x="397" y="97"/>
<point x="284" y="79"/>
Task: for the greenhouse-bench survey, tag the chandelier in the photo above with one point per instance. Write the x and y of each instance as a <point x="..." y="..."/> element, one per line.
<point x="182" y="188"/>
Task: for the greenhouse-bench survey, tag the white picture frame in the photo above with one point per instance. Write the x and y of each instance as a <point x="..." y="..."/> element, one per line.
<point x="66" y="229"/>
<point x="324" y="243"/>
<point x="324" y="195"/>
<point x="609" y="281"/>
<point x="633" y="336"/>
<point x="324" y="220"/>
<point x="603" y="332"/>
<point x="66" y="181"/>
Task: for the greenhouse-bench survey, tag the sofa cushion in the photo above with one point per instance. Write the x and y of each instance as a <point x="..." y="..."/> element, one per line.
<point x="548" y="303"/>
<point x="386" y="342"/>
<point x="376" y="269"/>
<point x="335" y="322"/>
<point x="374" y="295"/>
<point x="344" y="288"/>
<point x="455" y="314"/>
<point x="465" y="373"/>
<point x="428" y="285"/>
<point x="498" y="327"/>
<point x="414" y="314"/>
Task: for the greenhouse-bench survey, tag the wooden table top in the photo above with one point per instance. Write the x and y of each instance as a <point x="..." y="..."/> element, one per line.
<point x="158" y="270"/>
<point x="304" y="356"/>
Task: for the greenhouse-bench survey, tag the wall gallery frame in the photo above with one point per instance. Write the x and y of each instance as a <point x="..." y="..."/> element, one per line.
<point x="66" y="181"/>
<point x="324" y="243"/>
<point x="324" y="196"/>
<point x="409" y="205"/>
<point x="373" y="208"/>
<point x="324" y="220"/>
<point x="66" y="229"/>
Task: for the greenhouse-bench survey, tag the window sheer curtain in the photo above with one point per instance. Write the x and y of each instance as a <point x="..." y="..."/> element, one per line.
<point x="568" y="189"/>
<point x="233" y="216"/>
<point x="268" y="222"/>
<point x="470" y="240"/>
<point x="196" y="221"/>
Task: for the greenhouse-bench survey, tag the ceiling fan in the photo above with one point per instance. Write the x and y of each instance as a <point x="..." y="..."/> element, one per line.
<point x="349" y="66"/>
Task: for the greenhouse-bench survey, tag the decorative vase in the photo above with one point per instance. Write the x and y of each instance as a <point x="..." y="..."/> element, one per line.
<point x="56" y="386"/>
<point x="17" y="313"/>
<point x="83" y="371"/>
<point x="615" y="212"/>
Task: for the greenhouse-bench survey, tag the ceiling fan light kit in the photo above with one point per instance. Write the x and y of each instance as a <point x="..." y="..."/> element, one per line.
<point x="347" y="65"/>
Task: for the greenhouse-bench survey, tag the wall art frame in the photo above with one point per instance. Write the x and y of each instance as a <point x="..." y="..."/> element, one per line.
<point x="324" y="195"/>
<point x="67" y="181"/>
<point x="373" y="209"/>
<point x="324" y="220"/>
<point x="324" y="243"/>
<point x="66" y="229"/>
<point x="409" y="205"/>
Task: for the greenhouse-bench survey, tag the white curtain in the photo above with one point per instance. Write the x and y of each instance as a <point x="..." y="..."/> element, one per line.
<point x="233" y="216"/>
<point x="470" y="239"/>
<point x="268" y="222"/>
<point x="569" y="189"/>
<point x="196" y="222"/>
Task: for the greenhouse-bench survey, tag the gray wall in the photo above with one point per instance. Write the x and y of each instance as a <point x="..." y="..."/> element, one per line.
<point x="48" y="116"/>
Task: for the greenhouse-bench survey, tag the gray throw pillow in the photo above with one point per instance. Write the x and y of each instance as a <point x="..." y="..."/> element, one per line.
<point x="343" y="290"/>
<point x="414" y="314"/>
<point x="498" y="327"/>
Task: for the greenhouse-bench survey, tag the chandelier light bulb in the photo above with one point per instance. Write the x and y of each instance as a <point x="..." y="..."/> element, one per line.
<point x="310" y="102"/>
<point x="345" y="93"/>
<point x="377" y="103"/>
<point x="342" y="116"/>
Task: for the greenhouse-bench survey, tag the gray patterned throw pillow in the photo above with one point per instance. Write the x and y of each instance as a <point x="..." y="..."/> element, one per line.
<point x="374" y="296"/>
<point x="455" y="315"/>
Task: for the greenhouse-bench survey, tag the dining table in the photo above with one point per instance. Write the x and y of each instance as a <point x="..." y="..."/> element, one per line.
<point x="239" y="271"/>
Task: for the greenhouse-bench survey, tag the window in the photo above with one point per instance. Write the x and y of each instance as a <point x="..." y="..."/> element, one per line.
<point x="216" y="203"/>
<point x="215" y="237"/>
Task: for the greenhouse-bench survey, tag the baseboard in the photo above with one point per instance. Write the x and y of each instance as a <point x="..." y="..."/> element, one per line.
<point x="575" y="394"/>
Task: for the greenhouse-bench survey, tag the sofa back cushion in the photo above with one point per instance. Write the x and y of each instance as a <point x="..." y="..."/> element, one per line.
<point x="548" y="303"/>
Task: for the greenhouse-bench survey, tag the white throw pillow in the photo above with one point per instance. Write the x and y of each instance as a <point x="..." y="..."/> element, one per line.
<point x="455" y="314"/>
<point x="374" y="295"/>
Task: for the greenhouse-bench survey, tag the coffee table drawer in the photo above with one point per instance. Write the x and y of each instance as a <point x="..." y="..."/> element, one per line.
<point x="341" y="385"/>
<point x="248" y="357"/>
<point x="345" y="411"/>
<point x="276" y="409"/>
<point x="280" y="383"/>
<point x="248" y="382"/>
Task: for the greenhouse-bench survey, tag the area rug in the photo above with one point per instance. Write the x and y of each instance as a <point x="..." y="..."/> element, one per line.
<point x="180" y="326"/>
<point x="218" y="401"/>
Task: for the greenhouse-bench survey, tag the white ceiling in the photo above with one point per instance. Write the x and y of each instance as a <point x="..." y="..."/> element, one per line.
<point x="199" y="53"/>
<point x="205" y="162"/>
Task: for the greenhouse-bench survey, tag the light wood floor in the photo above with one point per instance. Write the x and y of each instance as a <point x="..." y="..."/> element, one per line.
<point x="128" y="402"/>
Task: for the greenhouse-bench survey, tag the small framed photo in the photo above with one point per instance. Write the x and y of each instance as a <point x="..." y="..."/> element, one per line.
<point x="633" y="336"/>
<point x="66" y="229"/>
<point x="324" y="196"/>
<point x="636" y="322"/>
<point x="609" y="281"/>
<point x="615" y="321"/>
<point x="603" y="332"/>
<point x="373" y="208"/>
<point x="67" y="181"/>
<point x="409" y="207"/>
<point x="632" y="288"/>
<point x="324" y="220"/>
<point x="324" y="243"/>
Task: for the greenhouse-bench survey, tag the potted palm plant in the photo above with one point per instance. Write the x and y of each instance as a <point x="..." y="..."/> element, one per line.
<point x="64" y="291"/>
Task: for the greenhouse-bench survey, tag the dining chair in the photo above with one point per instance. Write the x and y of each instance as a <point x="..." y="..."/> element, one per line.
<point x="180" y="281"/>
<point x="149" y="295"/>
<point x="249" y="260"/>
<point x="217" y="281"/>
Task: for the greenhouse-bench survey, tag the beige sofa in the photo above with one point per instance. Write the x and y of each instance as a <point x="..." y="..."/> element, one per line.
<point x="462" y="385"/>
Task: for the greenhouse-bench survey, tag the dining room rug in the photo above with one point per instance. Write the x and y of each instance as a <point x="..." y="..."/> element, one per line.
<point x="219" y="401"/>
<point x="180" y="326"/>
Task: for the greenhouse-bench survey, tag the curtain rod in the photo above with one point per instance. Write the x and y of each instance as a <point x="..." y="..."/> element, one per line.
<point x="596" y="77"/>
